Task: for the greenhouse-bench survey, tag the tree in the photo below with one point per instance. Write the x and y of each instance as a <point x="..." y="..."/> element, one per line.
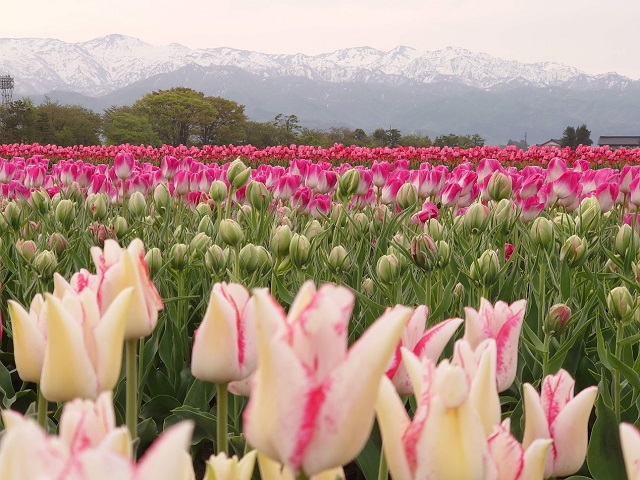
<point x="17" y="122"/>
<point x="66" y="125"/>
<point x="264" y="134"/>
<point x="121" y="125"/>
<point x="227" y="127"/>
<point x="175" y="115"/>
<point x="569" y="137"/>
<point x="416" y="140"/>
<point x="289" y="123"/>
<point x="583" y="136"/>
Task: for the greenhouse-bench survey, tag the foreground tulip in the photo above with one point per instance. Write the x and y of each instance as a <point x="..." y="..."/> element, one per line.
<point x="503" y="323"/>
<point x="556" y="414"/>
<point x="446" y="438"/>
<point x="630" y="441"/>
<point x="29" y="337"/>
<point x="311" y="405"/>
<point x="272" y="470"/>
<point x="221" y="467"/>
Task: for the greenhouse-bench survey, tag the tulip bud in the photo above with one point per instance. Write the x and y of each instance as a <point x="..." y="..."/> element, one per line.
<point x="258" y="195"/>
<point x="574" y="251"/>
<point x="45" y="264"/>
<point x="153" y="259"/>
<point x="627" y="239"/>
<point x="403" y="260"/>
<point x="387" y="269"/>
<point x="96" y="204"/>
<point x="66" y="213"/>
<point x="565" y="222"/>
<point x="542" y="233"/>
<point x="249" y="261"/>
<point x="200" y="243"/>
<point x="557" y="319"/>
<point x="407" y="196"/>
<point x="280" y="241"/>
<point x="313" y="229"/>
<point x="282" y="265"/>
<point x="231" y="232"/>
<point x="206" y="226"/>
<point x="40" y="200"/>
<point x="161" y="196"/>
<point x="120" y="226"/>
<point x="368" y="287"/>
<point x="621" y="305"/>
<point x="458" y="290"/>
<point x="424" y="252"/>
<point x="57" y="243"/>
<point x="434" y="229"/>
<point x="339" y="260"/>
<point x="203" y="210"/>
<point x="12" y="213"/>
<point x="476" y="218"/>
<point x="243" y="216"/>
<point x="177" y="233"/>
<point x="179" y="256"/>
<point x="502" y="215"/>
<point x="218" y="191"/>
<point x="27" y="248"/>
<point x="215" y="260"/>
<point x="264" y="258"/>
<point x="443" y="253"/>
<point x="299" y="250"/>
<point x="485" y="271"/>
<point x="500" y="186"/>
<point x="348" y="184"/>
<point x="359" y="226"/>
<point x="238" y="174"/>
<point x="137" y="205"/>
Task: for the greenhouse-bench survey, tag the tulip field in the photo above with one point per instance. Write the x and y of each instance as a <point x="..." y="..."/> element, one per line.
<point x="306" y="313"/>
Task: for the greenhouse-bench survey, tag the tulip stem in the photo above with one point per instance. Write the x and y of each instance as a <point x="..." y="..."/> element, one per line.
<point x="222" y="404"/>
<point x="302" y="476"/>
<point x="427" y="290"/>
<point x="545" y="355"/>
<point x="131" y="352"/>
<point x="383" y="468"/>
<point x="616" y="372"/>
<point x="42" y="409"/>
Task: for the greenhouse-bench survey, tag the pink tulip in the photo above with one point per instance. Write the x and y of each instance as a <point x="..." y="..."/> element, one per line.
<point x="123" y="164"/>
<point x="320" y="206"/>
<point x="169" y="166"/>
<point x="327" y="181"/>
<point x="389" y="191"/>
<point x="503" y="323"/>
<point x="380" y="172"/>
<point x="557" y="415"/>
<point x="424" y="344"/>
<point x="311" y="404"/>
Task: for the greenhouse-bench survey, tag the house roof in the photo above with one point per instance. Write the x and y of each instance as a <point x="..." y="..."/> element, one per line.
<point x="551" y="140"/>
<point x="620" y="140"/>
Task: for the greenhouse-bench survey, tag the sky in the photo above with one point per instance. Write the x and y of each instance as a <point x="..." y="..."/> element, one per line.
<point x="593" y="36"/>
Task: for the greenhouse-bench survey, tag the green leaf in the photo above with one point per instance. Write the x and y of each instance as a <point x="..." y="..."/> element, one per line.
<point x="159" y="407"/>
<point x="369" y="460"/>
<point x="205" y="421"/>
<point x="604" y="454"/>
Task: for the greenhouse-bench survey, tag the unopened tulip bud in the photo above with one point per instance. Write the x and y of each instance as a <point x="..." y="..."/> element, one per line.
<point x="27" y="248"/>
<point x="66" y="213"/>
<point x="485" y="271"/>
<point x="45" y="264"/>
<point x="502" y="215"/>
<point x="231" y="232"/>
<point x="203" y="210"/>
<point x="215" y="260"/>
<point x="359" y="226"/>
<point x="258" y="195"/>
<point x="339" y="260"/>
<point x="280" y="241"/>
<point x="434" y="229"/>
<point x="476" y="218"/>
<point x="137" y="205"/>
<point x="206" y="226"/>
<point x="153" y="259"/>
<point x="282" y="265"/>
<point x="443" y="253"/>
<point x="565" y="222"/>
<point x="458" y="290"/>
<point x="200" y="243"/>
<point x="57" y="243"/>
<point x="542" y="233"/>
<point x="96" y="204"/>
<point x="120" y="226"/>
<point x="574" y="251"/>
<point x="626" y="239"/>
<point x="424" y="252"/>
<point x="177" y="233"/>
<point x="41" y="201"/>
<point x="348" y="184"/>
<point x="368" y="286"/>
<point x="387" y="269"/>
<point x="249" y="261"/>
<point x="407" y="196"/>
<point x="12" y="214"/>
<point x="264" y="258"/>
<point x="313" y="229"/>
<point x="244" y="215"/>
<point x="621" y="305"/>
<point x="179" y="256"/>
<point x="403" y="260"/>
<point x="500" y="186"/>
<point x="218" y="191"/>
<point x="557" y="319"/>
<point x="238" y="174"/>
<point x="299" y="250"/>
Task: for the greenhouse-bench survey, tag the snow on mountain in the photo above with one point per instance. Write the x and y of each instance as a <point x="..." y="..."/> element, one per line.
<point x="105" y="64"/>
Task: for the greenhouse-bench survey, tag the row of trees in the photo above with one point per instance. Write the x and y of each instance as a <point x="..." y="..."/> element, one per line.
<point x="188" y="117"/>
<point x="574" y="136"/>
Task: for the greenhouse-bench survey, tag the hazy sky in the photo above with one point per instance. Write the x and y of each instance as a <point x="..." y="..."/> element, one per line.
<point x="596" y="36"/>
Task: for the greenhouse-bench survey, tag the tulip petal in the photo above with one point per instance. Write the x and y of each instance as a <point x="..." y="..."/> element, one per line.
<point x="435" y="339"/>
<point x="28" y="343"/>
<point x="535" y="425"/>
<point x="483" y="394"/>
<point x="67" y="371"/>
<point x="630" y="441"/>
<point x="507" y="453"/>
<point x="167" y="457"/>
<point x="535" y="459"/>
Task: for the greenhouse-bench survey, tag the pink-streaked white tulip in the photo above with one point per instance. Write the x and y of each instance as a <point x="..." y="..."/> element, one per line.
<point x="221" y="467"/>
<point x="272" y="470"/>
<point x="630" y="441"/>
<point x="503" y="323"/>
<point x="308" y="382"/>
<point x="224" y="345"/>
<point x="29" y="337"/>
<point x="557" y="415"/>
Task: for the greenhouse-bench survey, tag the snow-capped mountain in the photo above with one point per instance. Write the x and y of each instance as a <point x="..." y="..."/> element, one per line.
<point x="103" y="65"/>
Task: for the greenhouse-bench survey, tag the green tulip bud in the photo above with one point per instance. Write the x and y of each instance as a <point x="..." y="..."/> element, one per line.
<point x="137" y="205"/>
<point x="45" y="264"/>
<point x="348" y="184"/>
<point x="238" y="173"/>
<point x="12" y="214"/>
<point x="258" y="195"/>
<point x="458" y="290"/>
<point x="97" y="204"/>
<point x="339" y="260"/>
<point x="557" y="319"/>
<point x="313" y="229"/>
<point x="40" y="201"/>
<point x="215" y="260"/>
<point x="57" y="243"/>
<point x="200" y="243"/>
<point x="244" y="215"/>
<point x="407" y="196"/>
<point x="120" y="226"/>
<point x="621" y="305"/>
<point x="588" y="213"/>
<point x="280" y="241"/>
<point x="476" y="218"/>
<point x="500" y="186"/>
<point x="218" y="191"/>
<point x="206" y="226"/>
<point x="26" y="248"/>
<point x="542" y="233"/>
<point x="66" y="213"/>
<point x="626" y="239"/>
<point x="231" y="232"/>
<point x="264" y="258"/>
<point x="282" y="265"/>
<point x="249" y="261"/>
<point x="179" y="256"/>
<point x="153" y="259"/>
<point x="503" y="215"/>
<point x="161" y="197"/>
<point x="565" y="223"/>
<point x="434" y="229"/>
<point x="388" y="269"/>
<point x="359" y="226"/>
<point x="299" y="250"/>
<point x="485" y="271"/>
<point x="424" y="252"/>
<point x="443" y="253"/>
<point x="368" y="287"/>
<point x="574" y="251"/>
<point x="403" y="260"/>
<point x="203" y="210"/>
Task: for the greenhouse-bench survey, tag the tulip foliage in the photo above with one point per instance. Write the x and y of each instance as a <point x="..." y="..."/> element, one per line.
<point x="319" y="313"/>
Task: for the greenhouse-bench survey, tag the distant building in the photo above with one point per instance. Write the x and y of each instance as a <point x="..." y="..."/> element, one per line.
<point x="619" y="141"/>
<point x="553" y="142"/>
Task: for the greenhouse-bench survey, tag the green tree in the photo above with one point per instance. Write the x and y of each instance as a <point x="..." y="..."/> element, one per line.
<point x="17" y="122"/>
<point x="569" y="137"/>
<point x="66" y="125"/>
<point x="227" y="127"/>
<point x="583" y="136"/>
<point x="122" y="125"/>
<point x="175" y="115"/>
<point x="289" y="123"/>
<point x="416" y="140"/>
<point x="264" y="134"/>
